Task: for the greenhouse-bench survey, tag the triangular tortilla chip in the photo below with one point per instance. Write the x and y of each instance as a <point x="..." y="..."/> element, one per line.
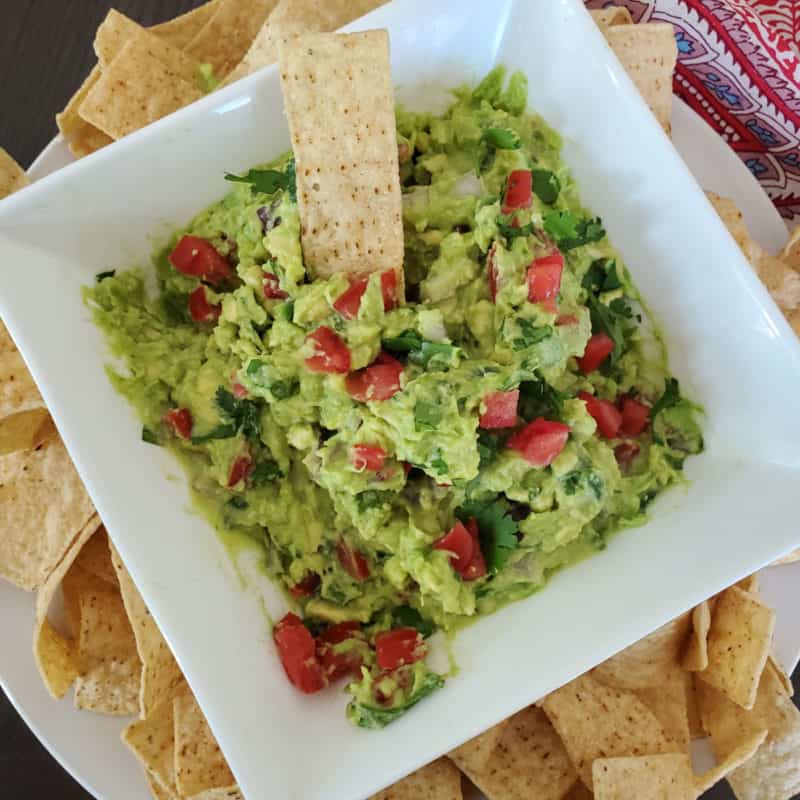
<point x="160" y="672"/>
<point x="12" y="176"/>
<point x="439" y="780"/>
<point x="739" y="643"/>
<point x="473" y="755"/>
<point x="153" y="742"/>
<point x="181" y="30"/>
<point x="595" y="721"/>
<point x="81" y="137"/>
<point x="95" y="558"/>
<point x="664" y="777"/>
<point x="667" y="700"/>
<point x="695" y="656"/>
<point x="528" y="761"/>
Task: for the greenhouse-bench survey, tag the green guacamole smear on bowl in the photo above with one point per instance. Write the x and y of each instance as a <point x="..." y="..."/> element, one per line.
<point x="407" y="466"/>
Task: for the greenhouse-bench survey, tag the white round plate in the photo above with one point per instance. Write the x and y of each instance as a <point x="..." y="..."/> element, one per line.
<point x="88" y="745"/>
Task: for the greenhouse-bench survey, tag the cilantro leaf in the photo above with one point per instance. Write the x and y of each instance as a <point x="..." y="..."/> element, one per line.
<point x="601" y="276"/>
<point x="244" y="415"/>
<point x="101" y="276"/>
<point x="546" y="185"/>
<point x="531" y="334"/>
<point x="509" y="232"/>
<point x="427" y="415"/>
<point x="151" y="437"/>
<point x="220" y="432"/>
<point x="282" y="390"/>
<point x="537" y="398"/>
<point x="571" y="231"/>
<point x="671" y="397"/>
<point x="498" y="531"/>
<point x="407" y="341"/>
<point x="611" y="320"/>
<point x="268" y="181"/>
<point x="434" y="355"/>
<point x="501" y="139"/>
<point x="371" y="499"/>
<point x="489" y="447"/>
<point x="408" y="617"/>
<point x="439" y="465"/>
<point x="265" y="472"/>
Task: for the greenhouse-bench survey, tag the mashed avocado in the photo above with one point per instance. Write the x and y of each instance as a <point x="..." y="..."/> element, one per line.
<point x="349" y="432"/>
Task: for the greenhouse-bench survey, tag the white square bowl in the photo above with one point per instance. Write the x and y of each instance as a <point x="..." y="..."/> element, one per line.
<point x="728" y="342"/>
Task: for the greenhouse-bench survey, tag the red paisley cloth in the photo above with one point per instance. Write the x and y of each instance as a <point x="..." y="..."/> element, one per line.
<point x="739" y="68"/>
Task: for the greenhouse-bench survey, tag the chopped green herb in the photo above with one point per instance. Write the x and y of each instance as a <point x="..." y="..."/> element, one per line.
<point x="546" y="186"/>
<point x="220" y="432"/>
<point x="285" y="311"/>
<point x="612" y="320"/>
<point x="265" y="472"/>
<point x="282" y="390"/>
<point x="435" y="355"/>
<point x="427" y="415"/>
<point x="571" y="482"/>
<point x="207" y="81"/>
<point x="267" y="181"/>
<point x="243" y="414"/>
<point x="571" y="231"/>
<point x="501" y="139"/>
<point x="239" y="503"/>
<point x="601" y="276"/>
<point x="671" y="397"/>
<point x="531" y="334"/>
<point x="440" y="465"/>
<point x="101" y="276"/>
<point x="407" y="341"/>
<point x="498" y="531"/>
<point x="371" y="499"/>
<point x="489" y="447"/>
<point x="150" y="436"/>
<point x="537" y="398"/>
<point x="509" y="232"/>
<point x="408" y="617"/>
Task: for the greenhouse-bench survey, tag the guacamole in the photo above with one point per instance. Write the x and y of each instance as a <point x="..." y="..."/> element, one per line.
<point x="411" y="451"/>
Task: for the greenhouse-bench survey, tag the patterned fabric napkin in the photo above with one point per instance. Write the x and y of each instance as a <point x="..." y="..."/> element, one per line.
<point x="739" y="68"/>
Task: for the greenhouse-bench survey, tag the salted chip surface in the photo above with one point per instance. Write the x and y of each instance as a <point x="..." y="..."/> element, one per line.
<point x="615" y="15"/>
<point x="649" y="54"/>
<point x="663" y="777"/>
<point x="228" y="33"/>
<point x="668" y="701"/>
<point x="340" y="106"/>
<point x="199" y="763"/>
<point x="43" y="507"/>
<point x="695" y="656"/>
<point x="82" y="137"/>
<point x="473" y="755"/>
<point x="152" y="741"/>
<point x="179" y="31"/>
<point x="135" y="90"/>
<point x="439" y="780"/>
<point x="530" y="760"/>
<point x="597" y="721"/>
<point x="12" y="176"/>
<point x="95" y="558"/>
<point x="739" y="643"/>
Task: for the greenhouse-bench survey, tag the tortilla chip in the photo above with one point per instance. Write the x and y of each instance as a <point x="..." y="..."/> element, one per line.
<point x="749" y="584"/>
<point x="81" y="137"/>
<point x="339" y="100"/>
<point x="596" y="721"/>
<point x="528" y="761"/>
<point x="772" y="772"/>
<point x="117" y="30"/>
<point x="782" y="282"/>
<point x="789" y="558"/>
<point x="153" y="742"/>
<point x="740" y="755"/>
<point x="663" y="777"/>
<point x="158" y="791"/>
<point x="226" y="793"/>
<point x="228" y="34"/>
<point x="780" y="674"/>
<point x="12" y="176"/>
<point x="18" y="391"/>
<point x="25" y="431"/>
<point x="644" y="663"/>
<point x="474" y="754"/>
<point x="739" y="642"/>
<point x="181" y="30"/>
<point x="696" y="729"/>
<point x="292" y="18"/>
<point x="695" y="656"/>
<point x="134" y="91"/>
<point x="649" y="54"/>
<point x="160" y="672"/>
<point x="111" y="671"/>
<point x="95" y="558"/>
<point x="578" y="792"/>
<point x="439" y="780"/>
<point x="43" y="507"/>
<point x="668" y="702"/>
<point x="613" y="15"/>
<point x="199" y="762"/>
<point x="791" y="252"/>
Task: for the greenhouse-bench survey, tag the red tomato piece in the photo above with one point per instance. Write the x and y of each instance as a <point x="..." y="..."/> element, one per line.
<point x="379" y="381"/>
<point x="501" y="409"/>
<point x="540" y="441"/>
<point x="272" y="287"/>
<point x="349" y="302"/>
<point x="399" y="647"/>
<point x="298" y="653"/>
<point x="389" y="289"/>
<point x="460" y="543"/>
<point x="491" y="273"/>
<point x="307" y="586"/>
<point x="606" y="414"/>
<point x="200" y="259"/>
<point x="331" y="353"/>
<point x="180" y="420"/>
<point x="635" y="416"/>
<point x="353" y="562"/>
<point x="367" y="456"/>
<point x="518" y="190"/>
<point x="566" y="319"/>
<point x="544" y="280"/>
<point x="477" y="567"/>
<point x="625" y="453"/>
<point x="241" y="468"/>
<point x="336" y="665"/>
<point x="200" y="310"/>
<point x="406" y="468"/>
<point x="598" y="349"/>
<point x="238" y="390"/>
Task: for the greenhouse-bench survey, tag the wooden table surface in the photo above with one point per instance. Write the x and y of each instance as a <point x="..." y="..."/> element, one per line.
<point x="45" y="52"/>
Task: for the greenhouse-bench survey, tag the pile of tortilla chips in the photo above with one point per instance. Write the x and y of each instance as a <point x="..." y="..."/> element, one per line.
<point x="622" y="731"/>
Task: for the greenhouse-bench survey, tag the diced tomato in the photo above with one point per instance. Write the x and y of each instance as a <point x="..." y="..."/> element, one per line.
<point x="635" y="416"/>
<point x="200" y="310"/>
<point x="544" y="280"/>
<point x="307" y="586"/>
<point x="606" y="414"/>
<point x="625" y="453"/>
<point x="238" y="390"/>
<point x="298" y="653"/>
<point x="389" y="289"/>
<point x="399" y="647"/>
<point x="241" y="468"/>
<point x="379" y="381"/>
<point x="566" y="319"/>
<point x="331" y="354"/>
<point x="598" y="349"/>
<point x="336" y="665"/>
<point x="200" y="259"/>
<point x="367" y="456"/>
<point x="272" y="287"/>
<point x="180" y="420"/>
<point x="491" y="272"/>
<point x="518" y="190"/>
<point x="501" y="409"/>
<point x="540" y="441"/>
<point x="353" y="562"/>
<point x="349" y="302"/>
<point x="460" y="543"/>
<point x="477" y="567"/>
